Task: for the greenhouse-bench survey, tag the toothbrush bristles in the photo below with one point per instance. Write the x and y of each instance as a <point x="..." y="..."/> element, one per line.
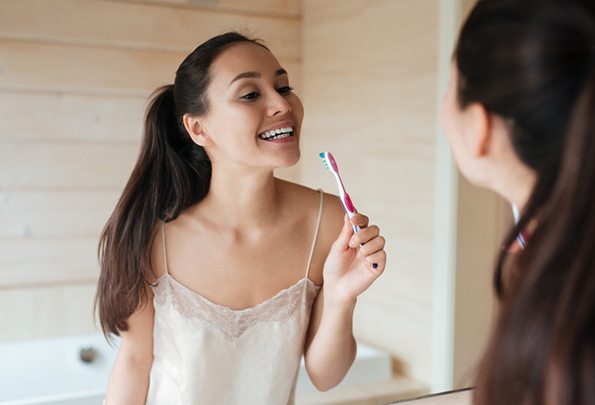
<point x="324" y="160"/>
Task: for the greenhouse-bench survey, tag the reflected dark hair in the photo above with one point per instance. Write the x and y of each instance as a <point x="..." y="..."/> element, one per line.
<point x="532" y="63"/>
<point x="171" y="173"/>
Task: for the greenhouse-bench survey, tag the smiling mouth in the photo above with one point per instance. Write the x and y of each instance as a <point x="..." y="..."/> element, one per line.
<point x="275" y="134"/>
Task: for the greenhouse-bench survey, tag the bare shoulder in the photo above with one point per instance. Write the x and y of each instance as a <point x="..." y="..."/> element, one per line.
<point x="295" y="190"/>
<point x="332" y="219"/>
<point x="301" y="199"/>
<point x="309" y="199"/>
<point x="156" y="254"/>
<point x="331" y="223"/>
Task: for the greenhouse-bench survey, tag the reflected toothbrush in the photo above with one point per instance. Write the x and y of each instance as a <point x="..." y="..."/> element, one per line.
<point x="330" y="164"/>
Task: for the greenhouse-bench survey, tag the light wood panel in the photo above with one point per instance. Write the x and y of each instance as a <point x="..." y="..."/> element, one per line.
<point x="31" y="66"/>
<point x="89" y="70"/>
<point x="55" y="214"/>
<point x="405" y="333"/>
<point x="47" y="261"/>
<point x="481" y="225"/>
<point x="48" y="311"/>
<point x="269" y="8"/>
<point x="60" y="117"/>
<point x="153" y="27"/>
<point x="34" y="166"/>
<point x="370" y="72"/>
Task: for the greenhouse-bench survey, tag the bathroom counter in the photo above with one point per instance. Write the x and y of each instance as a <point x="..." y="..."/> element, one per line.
<point x="378" y="393"/>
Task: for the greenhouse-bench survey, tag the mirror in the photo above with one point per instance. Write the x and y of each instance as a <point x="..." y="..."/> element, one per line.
<point x="74" y="80"/>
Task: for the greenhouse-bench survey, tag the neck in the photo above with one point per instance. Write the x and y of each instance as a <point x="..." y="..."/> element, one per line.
<point x="516" y="185"/>
<point x="240" y="200"/>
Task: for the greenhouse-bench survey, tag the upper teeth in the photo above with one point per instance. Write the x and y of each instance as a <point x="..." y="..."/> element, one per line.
<point x="278" y="133"/>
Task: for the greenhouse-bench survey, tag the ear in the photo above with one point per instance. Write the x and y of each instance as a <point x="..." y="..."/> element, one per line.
<point x="196" y="129"/>
<point x="478" y="129"/>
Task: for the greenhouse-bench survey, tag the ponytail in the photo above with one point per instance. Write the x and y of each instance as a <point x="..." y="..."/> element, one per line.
<point x="543" y="348"/>
<point x="171" y="173"/>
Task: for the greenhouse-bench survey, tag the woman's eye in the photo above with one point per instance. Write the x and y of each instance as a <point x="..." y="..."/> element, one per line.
<point x="285" y="90"/>
<point x="250" y="96"/>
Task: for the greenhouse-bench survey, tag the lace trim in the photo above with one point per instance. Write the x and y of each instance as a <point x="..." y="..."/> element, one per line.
<point x="233" y="323"/>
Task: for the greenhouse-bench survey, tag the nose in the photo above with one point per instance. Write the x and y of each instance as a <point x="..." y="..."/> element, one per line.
<point x="279" y="105"/>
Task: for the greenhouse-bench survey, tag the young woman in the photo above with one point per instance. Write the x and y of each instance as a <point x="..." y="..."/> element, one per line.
<point x="519" y="115"/>
<point x="210" y="265"/>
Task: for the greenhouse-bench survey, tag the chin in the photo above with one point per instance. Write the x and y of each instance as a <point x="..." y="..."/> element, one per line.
<point x="290" y="160"/>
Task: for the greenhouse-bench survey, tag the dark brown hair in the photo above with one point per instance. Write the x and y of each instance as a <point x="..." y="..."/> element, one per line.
<point x="171" y="173"/>
<point x="532" y="62"/>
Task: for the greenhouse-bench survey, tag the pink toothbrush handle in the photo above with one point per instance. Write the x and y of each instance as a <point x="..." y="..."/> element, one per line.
<point x="349" y="204"/>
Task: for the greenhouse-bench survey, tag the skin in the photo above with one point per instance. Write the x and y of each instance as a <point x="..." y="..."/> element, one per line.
<point x="480" y="143"/>
<point x="251" y="225"/>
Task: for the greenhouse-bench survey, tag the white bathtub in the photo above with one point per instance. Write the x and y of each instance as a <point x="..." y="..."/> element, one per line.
<point x="51" y="372"/>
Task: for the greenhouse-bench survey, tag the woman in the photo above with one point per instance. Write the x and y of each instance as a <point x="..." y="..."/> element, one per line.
<point x="209" y="264"/>
<point x="519" y="115"/>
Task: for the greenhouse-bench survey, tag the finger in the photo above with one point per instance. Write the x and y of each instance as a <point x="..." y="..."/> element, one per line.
<point x="371" y="247"/>
<point x="376" y="262"/>
<point x="364" y="235"/>
<point x="342" y="241"/>
<point x="360" y="220"/>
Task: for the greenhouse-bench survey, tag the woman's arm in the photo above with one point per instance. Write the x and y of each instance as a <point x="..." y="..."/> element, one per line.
<point x="129" y="379"/>
<point x="330" y="345"/>
<point x="348" y="271"/>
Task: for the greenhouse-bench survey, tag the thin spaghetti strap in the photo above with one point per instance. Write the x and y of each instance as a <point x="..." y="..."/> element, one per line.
<point x="315" y="233"/>
<point x="164" y="248"/>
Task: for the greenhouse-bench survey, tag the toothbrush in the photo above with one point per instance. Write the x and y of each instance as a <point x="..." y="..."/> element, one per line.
<point x="330" y="163"/>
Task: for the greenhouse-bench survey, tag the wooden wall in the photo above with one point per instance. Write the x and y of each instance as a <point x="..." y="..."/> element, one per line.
<point x="482" y="220"/>
<point x="370" y="71"/>
<point x="74" y="79"/>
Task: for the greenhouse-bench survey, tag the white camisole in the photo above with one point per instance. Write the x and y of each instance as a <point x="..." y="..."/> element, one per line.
<point x="206" y="353"/>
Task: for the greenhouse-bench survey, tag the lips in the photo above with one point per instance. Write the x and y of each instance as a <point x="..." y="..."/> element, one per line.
<point x="276" y="134"/>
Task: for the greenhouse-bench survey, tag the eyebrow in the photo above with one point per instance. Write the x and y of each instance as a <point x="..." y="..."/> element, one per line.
<point x="257" y="75"/>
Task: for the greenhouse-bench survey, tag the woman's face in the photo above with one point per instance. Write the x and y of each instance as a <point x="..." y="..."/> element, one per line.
<point x="254" y="118"/>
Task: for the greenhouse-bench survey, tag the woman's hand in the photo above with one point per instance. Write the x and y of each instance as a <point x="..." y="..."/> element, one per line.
<point x="355" y="260"/>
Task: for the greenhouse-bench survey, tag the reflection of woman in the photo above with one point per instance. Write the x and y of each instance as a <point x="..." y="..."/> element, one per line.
<point x="520" y="116"/>
<point x="210" y="264"/>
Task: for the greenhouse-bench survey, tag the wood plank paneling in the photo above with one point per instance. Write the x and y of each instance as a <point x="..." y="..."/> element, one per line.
<point x="153" y="27"/>
<point x="370" y="72"/>
<point x="45" y="166"/>
<point x="47" y="261"/>
<point x="89" y="70"/>
<point x="46" y="311"/>
<point x="269" y="8"/>
<point x="42" y="117"/>
<point x="403" y="334"/>
<point x="77" y="69"/>
<point x="57" y="214"/>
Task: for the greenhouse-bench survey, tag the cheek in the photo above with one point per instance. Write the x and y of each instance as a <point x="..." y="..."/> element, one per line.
<point x="297" y="108"/>
<point x="449" y="120"/>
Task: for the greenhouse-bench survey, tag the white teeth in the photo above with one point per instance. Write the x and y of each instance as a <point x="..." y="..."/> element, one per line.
<point x="279" y="133"/>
